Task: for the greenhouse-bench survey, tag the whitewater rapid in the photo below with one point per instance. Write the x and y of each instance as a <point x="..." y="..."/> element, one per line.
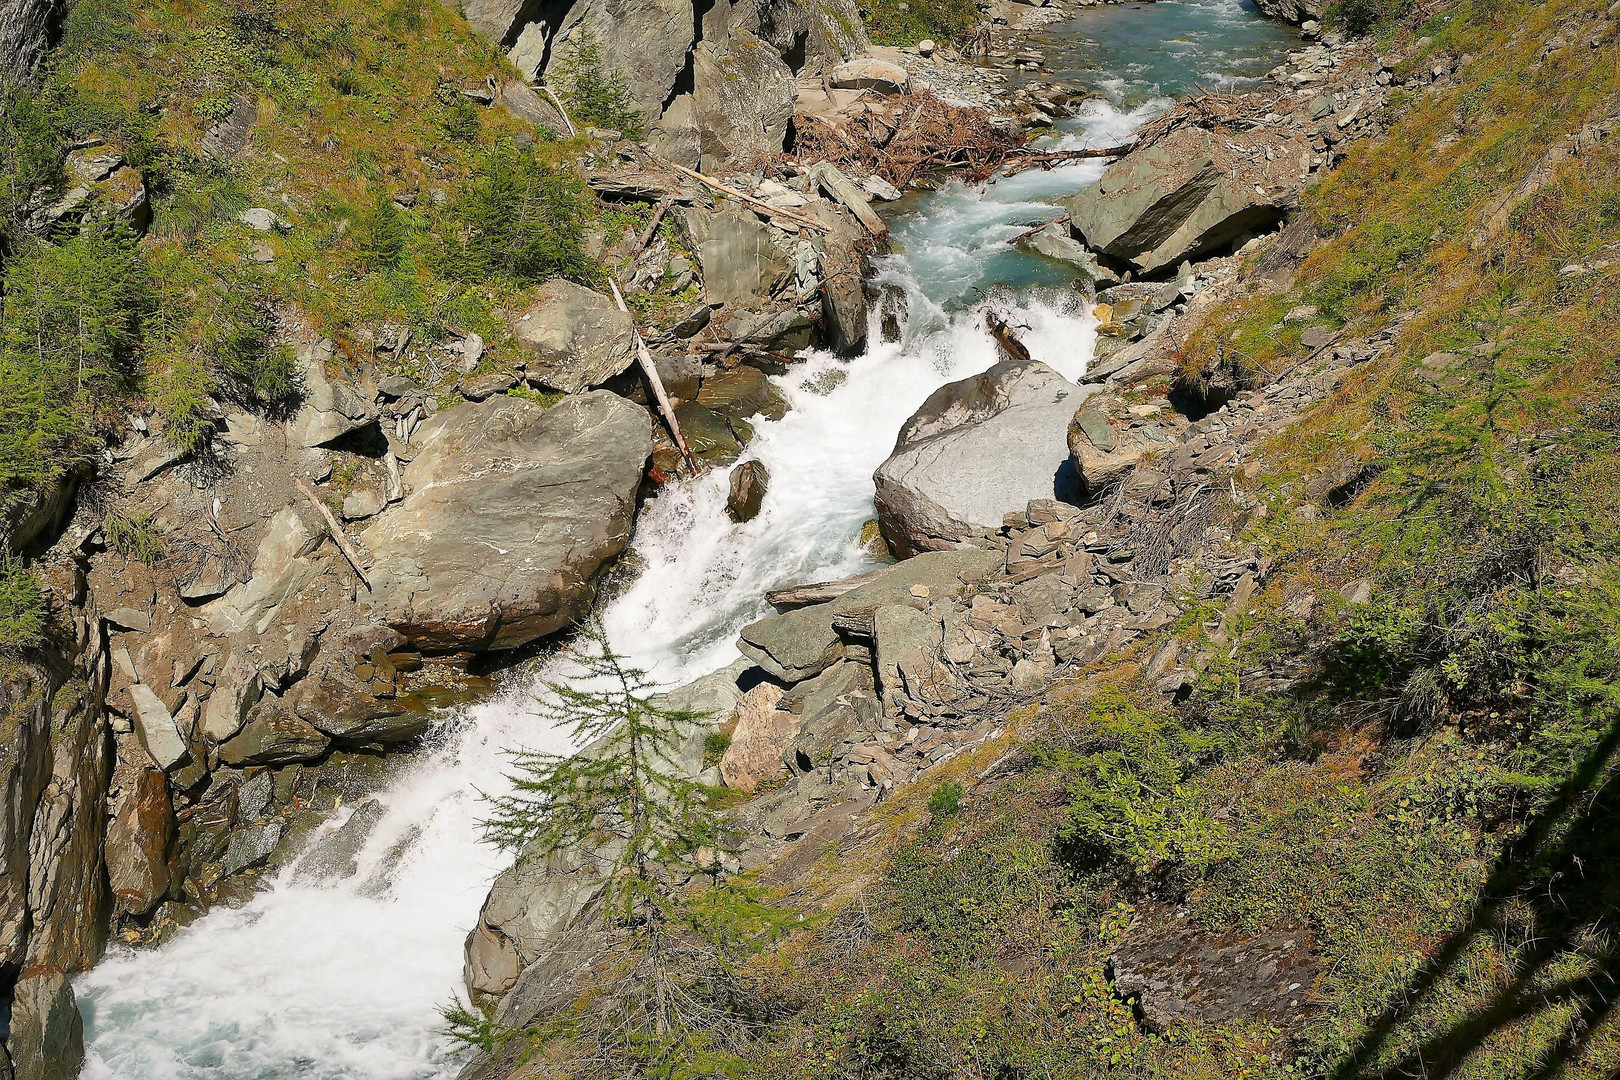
<point x="346" y="981"/>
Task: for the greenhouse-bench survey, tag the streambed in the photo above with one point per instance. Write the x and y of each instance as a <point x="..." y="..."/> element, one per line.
<point x="346" y="979"/>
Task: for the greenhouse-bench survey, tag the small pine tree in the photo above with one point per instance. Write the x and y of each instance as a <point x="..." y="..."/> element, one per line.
<point x="623" y="798"/>
<point x="596" y="93"/>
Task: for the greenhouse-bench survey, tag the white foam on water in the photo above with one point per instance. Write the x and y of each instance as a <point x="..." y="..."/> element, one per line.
<point x="332" y="981"/>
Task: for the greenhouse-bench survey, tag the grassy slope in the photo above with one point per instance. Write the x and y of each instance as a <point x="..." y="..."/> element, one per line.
<point x="409" y="206"/>
<point x="1434" y="796"/>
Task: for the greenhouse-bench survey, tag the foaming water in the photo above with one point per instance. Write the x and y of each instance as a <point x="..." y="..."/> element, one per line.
<point x="346" y="980"/>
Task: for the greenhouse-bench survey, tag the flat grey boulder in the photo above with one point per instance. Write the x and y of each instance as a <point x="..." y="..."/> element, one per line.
<point x="976" y="450"/>
<point x="869" y="73"/>
<point x="741" y="264"/>
<point x="795" y="646"/>
<point x="916" y="582"/>
<point x="514" y="511"/>
<point x="576" y="338"/>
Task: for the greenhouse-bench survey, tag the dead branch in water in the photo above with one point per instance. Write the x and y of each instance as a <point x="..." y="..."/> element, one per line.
<point x="1004" y="336"/>
<point x="1023" y="160"/>
<point x="1027" y="233"/>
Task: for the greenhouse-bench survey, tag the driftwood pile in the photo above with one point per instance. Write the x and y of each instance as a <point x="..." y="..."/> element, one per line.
<point x="908" y="135"/>
<point x="1212" y="112"/>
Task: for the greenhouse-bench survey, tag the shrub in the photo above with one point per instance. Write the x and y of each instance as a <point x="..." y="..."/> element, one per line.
<point x="1364" y="16"/>
<point x="597" y="94"/>
<point x="22" y="606"/>
<point x="946" y="801"/>
<point x="137" y="538"/>
<point x="383" y="239"/>
<point x="518" y="220"/>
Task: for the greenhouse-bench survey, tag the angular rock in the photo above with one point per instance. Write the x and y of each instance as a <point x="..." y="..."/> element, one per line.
<point x="332" y="407"/>
<point x="795" y="646"/>
<point x="1178" y="973"/>
<point x="741" y="394"/>
<point x="1181" y="199"/>
<point x="707" y="434"/>
<point x="25" y="769"/>
<point x="251" y="846"/>
<point x="917" y="582"/>
<point x="1293" y="11"/>
<point x="273" y="735"/>
<point x="976" y="450"/>
<point x="801" y="31"/>
<point x="157" y="730"/>
<point x="748" y="483"/>
<point x="514" y="510"/>
<point x="907" y="650"/>
<point x="236" y="691"/>
<point x="1055" y="243"/>
<point x="576" y="338"/>
<point x="362" y="504"/>
<point x="869" y="73"/>
<point x="675" y="136"/>
<point x="763" y="732"/>
<point x="742" y="101"/>
<point x="340" y="702"/>
<point x="336" y="856"/>
<point x="830" y="708"/>
<point x="140" y="842"/>
<point x="530" y="107"/>
<point x="741" y="265"/>
<point x="1103" y="445"/>
<point x="643" y="41"/>
<point x="47" y="1033"/>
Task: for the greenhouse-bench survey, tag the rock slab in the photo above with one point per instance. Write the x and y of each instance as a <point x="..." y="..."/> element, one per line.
<point x="514" y="510"/>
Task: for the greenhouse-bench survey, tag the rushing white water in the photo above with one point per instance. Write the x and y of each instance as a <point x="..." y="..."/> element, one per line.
<point x="344" y="981"/>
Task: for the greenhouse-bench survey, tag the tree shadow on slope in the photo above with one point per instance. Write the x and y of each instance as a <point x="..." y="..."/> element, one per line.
<point x="1562" y="877"/>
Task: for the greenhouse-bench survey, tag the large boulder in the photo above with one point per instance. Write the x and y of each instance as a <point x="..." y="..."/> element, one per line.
<point x="332" y="407"/>
<point x="643" y="41"/>
<point x="742" y="101"/>
<point x="1293" y="11"/>
<point x="47" y="1033"/>
<point x="140" y="842"/>
<point x="1188" y="195"/>
<point x="514" y="510"/>
<point x="976" y="450"/>
<point x="273" y="735"/>
<point x="741" y="263"/>
<point x="576" y="338"/>
<point x="801" y="31"/>
<point x="869" y="73"/>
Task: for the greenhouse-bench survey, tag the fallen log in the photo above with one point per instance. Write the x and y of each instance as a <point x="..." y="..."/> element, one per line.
<point x="1004" y="336"/>
<point x="818" y="592"/>
<point x="650" y="369"/>
<point x="336" y="531"/>
<point x="1027" y="233"/>
<point x="562" y="112"/>
<point x="652" y="226"/>
<point x="641" y="190"/>
<point x="759" y="204"/>
<point x="1023" y="160"/>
